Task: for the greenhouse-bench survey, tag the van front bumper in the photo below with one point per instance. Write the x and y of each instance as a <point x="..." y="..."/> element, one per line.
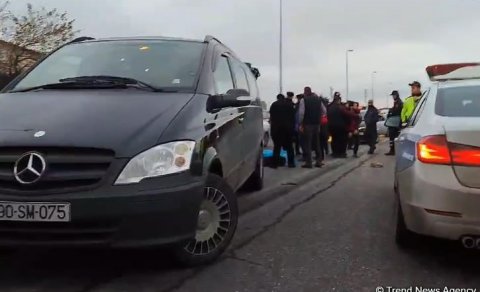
<point x="156" y="212"/>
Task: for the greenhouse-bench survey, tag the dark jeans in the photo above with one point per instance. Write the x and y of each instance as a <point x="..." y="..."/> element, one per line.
<point x="339" y="141"/>
<point x="283" y="138"/>
<point x="297" y="140"/>
<point x="355" y="142"/>
<point x="311" y="139"/>
<point x="324" y="141"/>
<point x="371" y="136"/>
<point x="392" y="134"/>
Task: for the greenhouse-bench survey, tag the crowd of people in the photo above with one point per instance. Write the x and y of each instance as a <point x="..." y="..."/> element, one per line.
<point x="302" y="125"/>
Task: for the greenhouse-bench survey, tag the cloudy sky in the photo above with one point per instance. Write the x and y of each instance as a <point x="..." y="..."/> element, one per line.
<point x="395" y="38"/>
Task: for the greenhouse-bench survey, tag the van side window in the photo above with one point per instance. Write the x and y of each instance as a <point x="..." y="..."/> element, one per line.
<point x="240" y="76"/>
<point x="252" y="82"/>
<point x="223" y="76"/>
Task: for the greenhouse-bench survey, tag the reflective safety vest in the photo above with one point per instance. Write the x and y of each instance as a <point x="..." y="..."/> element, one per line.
<point x="408" y="108"/>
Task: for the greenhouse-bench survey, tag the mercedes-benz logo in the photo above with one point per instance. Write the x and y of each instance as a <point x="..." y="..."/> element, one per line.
<point x="29" y="168"/>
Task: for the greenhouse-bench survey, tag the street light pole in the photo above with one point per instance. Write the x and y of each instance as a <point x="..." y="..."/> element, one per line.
<point x="391" y="88"/>
<point x="281" y="47"/>
<point x="346" y="70"/>
<point x="373" y="85"/>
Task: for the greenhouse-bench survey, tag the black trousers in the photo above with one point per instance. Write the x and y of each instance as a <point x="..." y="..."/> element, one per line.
<point x="324" y="140"/>
<point x="355" y="142"/>
<point x="283" y="138"/>
<point x="392" y="134"/>
<point x="339" y="141"/>
<point x="311" y="139"/>
<point x="297" y="142"/>
<point x="371" y="136"/>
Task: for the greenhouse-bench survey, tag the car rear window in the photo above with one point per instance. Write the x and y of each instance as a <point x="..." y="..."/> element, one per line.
<point x="458" y="102"/>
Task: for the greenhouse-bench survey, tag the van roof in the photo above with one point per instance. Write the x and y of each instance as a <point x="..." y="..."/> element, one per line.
<point x="146" y="38"/>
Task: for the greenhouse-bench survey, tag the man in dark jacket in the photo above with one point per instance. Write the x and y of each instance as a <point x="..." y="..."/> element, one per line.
<point x="310" y="113"/>
<point x="282" y="121"/>
<point x="371" y="118"/>
<point x="395" y="111"/>
<point x="338" y="125"/>
<point x="355" y="120"/>
<point x="324" y="131"/>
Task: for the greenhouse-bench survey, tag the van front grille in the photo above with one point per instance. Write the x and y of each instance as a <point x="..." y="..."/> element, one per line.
<point x="67" y="169"/>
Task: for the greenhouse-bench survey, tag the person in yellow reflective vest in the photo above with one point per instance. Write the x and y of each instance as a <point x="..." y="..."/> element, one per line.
<point x="411" y="102"/>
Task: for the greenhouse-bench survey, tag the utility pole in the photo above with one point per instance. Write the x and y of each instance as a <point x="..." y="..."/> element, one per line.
<point x="281" y="47"/>
<point x="346" y="69"/>
<point x="366" y="96"/>
<point x="331" y="93"/>
<point x="373" y="85"/>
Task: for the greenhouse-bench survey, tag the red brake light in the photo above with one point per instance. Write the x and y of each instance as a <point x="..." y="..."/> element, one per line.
<point x="436" y="150"/>
<point x="465" y="155"/>
<point x="433" y="149"/>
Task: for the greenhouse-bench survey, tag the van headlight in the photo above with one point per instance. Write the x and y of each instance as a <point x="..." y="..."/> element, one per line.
<point x="160" y="160"/>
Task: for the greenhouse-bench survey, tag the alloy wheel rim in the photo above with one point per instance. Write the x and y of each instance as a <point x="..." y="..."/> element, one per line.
<point x="214" y="220"/>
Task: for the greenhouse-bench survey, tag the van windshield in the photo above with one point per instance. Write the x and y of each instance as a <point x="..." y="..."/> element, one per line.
<point x="162" y="63"/>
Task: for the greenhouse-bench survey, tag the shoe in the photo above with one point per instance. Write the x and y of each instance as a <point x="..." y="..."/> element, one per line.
<point x="343" y="155"/>
<point x="307" y="166"/>
<point x="370" y="151"/>
<point x="319" y="164"/>
<point x="292" y="166"/>
<point x="355" y="155"/>
<point x="390" y="153"/>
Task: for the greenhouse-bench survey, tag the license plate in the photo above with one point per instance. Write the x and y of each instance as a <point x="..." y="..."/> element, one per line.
<point x="34" y="212"/>
<point x="361" y="133"/>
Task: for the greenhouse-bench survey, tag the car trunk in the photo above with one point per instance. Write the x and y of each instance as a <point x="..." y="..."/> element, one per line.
<point x="465" y="131"/>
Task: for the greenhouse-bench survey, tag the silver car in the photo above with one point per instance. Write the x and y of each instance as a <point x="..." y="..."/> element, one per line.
<point x="437" y="171"/>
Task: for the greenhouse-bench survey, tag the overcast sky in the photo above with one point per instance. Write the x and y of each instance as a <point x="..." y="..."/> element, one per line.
<point x="396" y="38"/>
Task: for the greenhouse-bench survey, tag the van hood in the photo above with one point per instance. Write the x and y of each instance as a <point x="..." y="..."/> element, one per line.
<point x="126" y="121"/>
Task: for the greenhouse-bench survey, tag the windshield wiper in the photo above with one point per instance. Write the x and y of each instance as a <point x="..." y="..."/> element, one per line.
<point x="112" y="79"/>
<point x="68" y="85"/>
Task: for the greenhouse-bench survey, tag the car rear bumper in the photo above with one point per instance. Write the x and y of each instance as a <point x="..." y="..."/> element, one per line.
<point x="435" y="204"/>
<point x="147" y="214"/>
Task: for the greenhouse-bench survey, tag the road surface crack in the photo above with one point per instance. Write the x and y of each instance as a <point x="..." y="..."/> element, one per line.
<point x="232" y="252"/>
<point x="295" y="206"/>
<point x="234" y="256"/>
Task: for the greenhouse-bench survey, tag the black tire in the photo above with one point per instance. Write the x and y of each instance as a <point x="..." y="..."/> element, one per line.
<point x="403" y="237"/>
<point x="255" y="181"/>
<point x="204" y="249"/>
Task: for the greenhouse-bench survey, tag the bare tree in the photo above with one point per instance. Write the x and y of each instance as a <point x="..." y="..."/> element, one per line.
<point x="4" y="14"/>
<point x="34" y="34"/>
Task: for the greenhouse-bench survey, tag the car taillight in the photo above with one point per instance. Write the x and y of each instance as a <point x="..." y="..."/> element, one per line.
<point x="433" y="149"/>
<point x="465" y="155"/>
<point x="437" y="150"/>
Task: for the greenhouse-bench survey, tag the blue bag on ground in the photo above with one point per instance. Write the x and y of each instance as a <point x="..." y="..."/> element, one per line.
<point x="268" y="157"/>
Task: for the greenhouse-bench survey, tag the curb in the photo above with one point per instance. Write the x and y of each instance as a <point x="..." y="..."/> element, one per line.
<point x="252" y="201"/>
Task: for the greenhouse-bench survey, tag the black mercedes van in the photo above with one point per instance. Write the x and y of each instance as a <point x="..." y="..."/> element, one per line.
<point x="130" y="142"/>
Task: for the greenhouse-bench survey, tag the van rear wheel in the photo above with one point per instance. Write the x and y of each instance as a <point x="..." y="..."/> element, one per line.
<point x="217" y="222"/>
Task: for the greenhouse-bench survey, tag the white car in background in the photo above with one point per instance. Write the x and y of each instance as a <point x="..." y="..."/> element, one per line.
<point x="266" y="128"/>
<point x="381" y="128"/>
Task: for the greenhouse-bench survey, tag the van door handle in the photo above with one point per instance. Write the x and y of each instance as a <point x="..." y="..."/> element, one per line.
<point x="240" y="120"/>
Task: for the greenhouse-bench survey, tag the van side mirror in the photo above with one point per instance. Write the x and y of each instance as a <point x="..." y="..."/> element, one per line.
<point x="233" y="98"/>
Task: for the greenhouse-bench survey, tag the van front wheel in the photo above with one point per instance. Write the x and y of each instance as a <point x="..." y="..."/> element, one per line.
<point x="217" y="222"/>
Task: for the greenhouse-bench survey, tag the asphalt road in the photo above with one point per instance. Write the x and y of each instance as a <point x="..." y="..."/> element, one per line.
<point x="333" y="234"/>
